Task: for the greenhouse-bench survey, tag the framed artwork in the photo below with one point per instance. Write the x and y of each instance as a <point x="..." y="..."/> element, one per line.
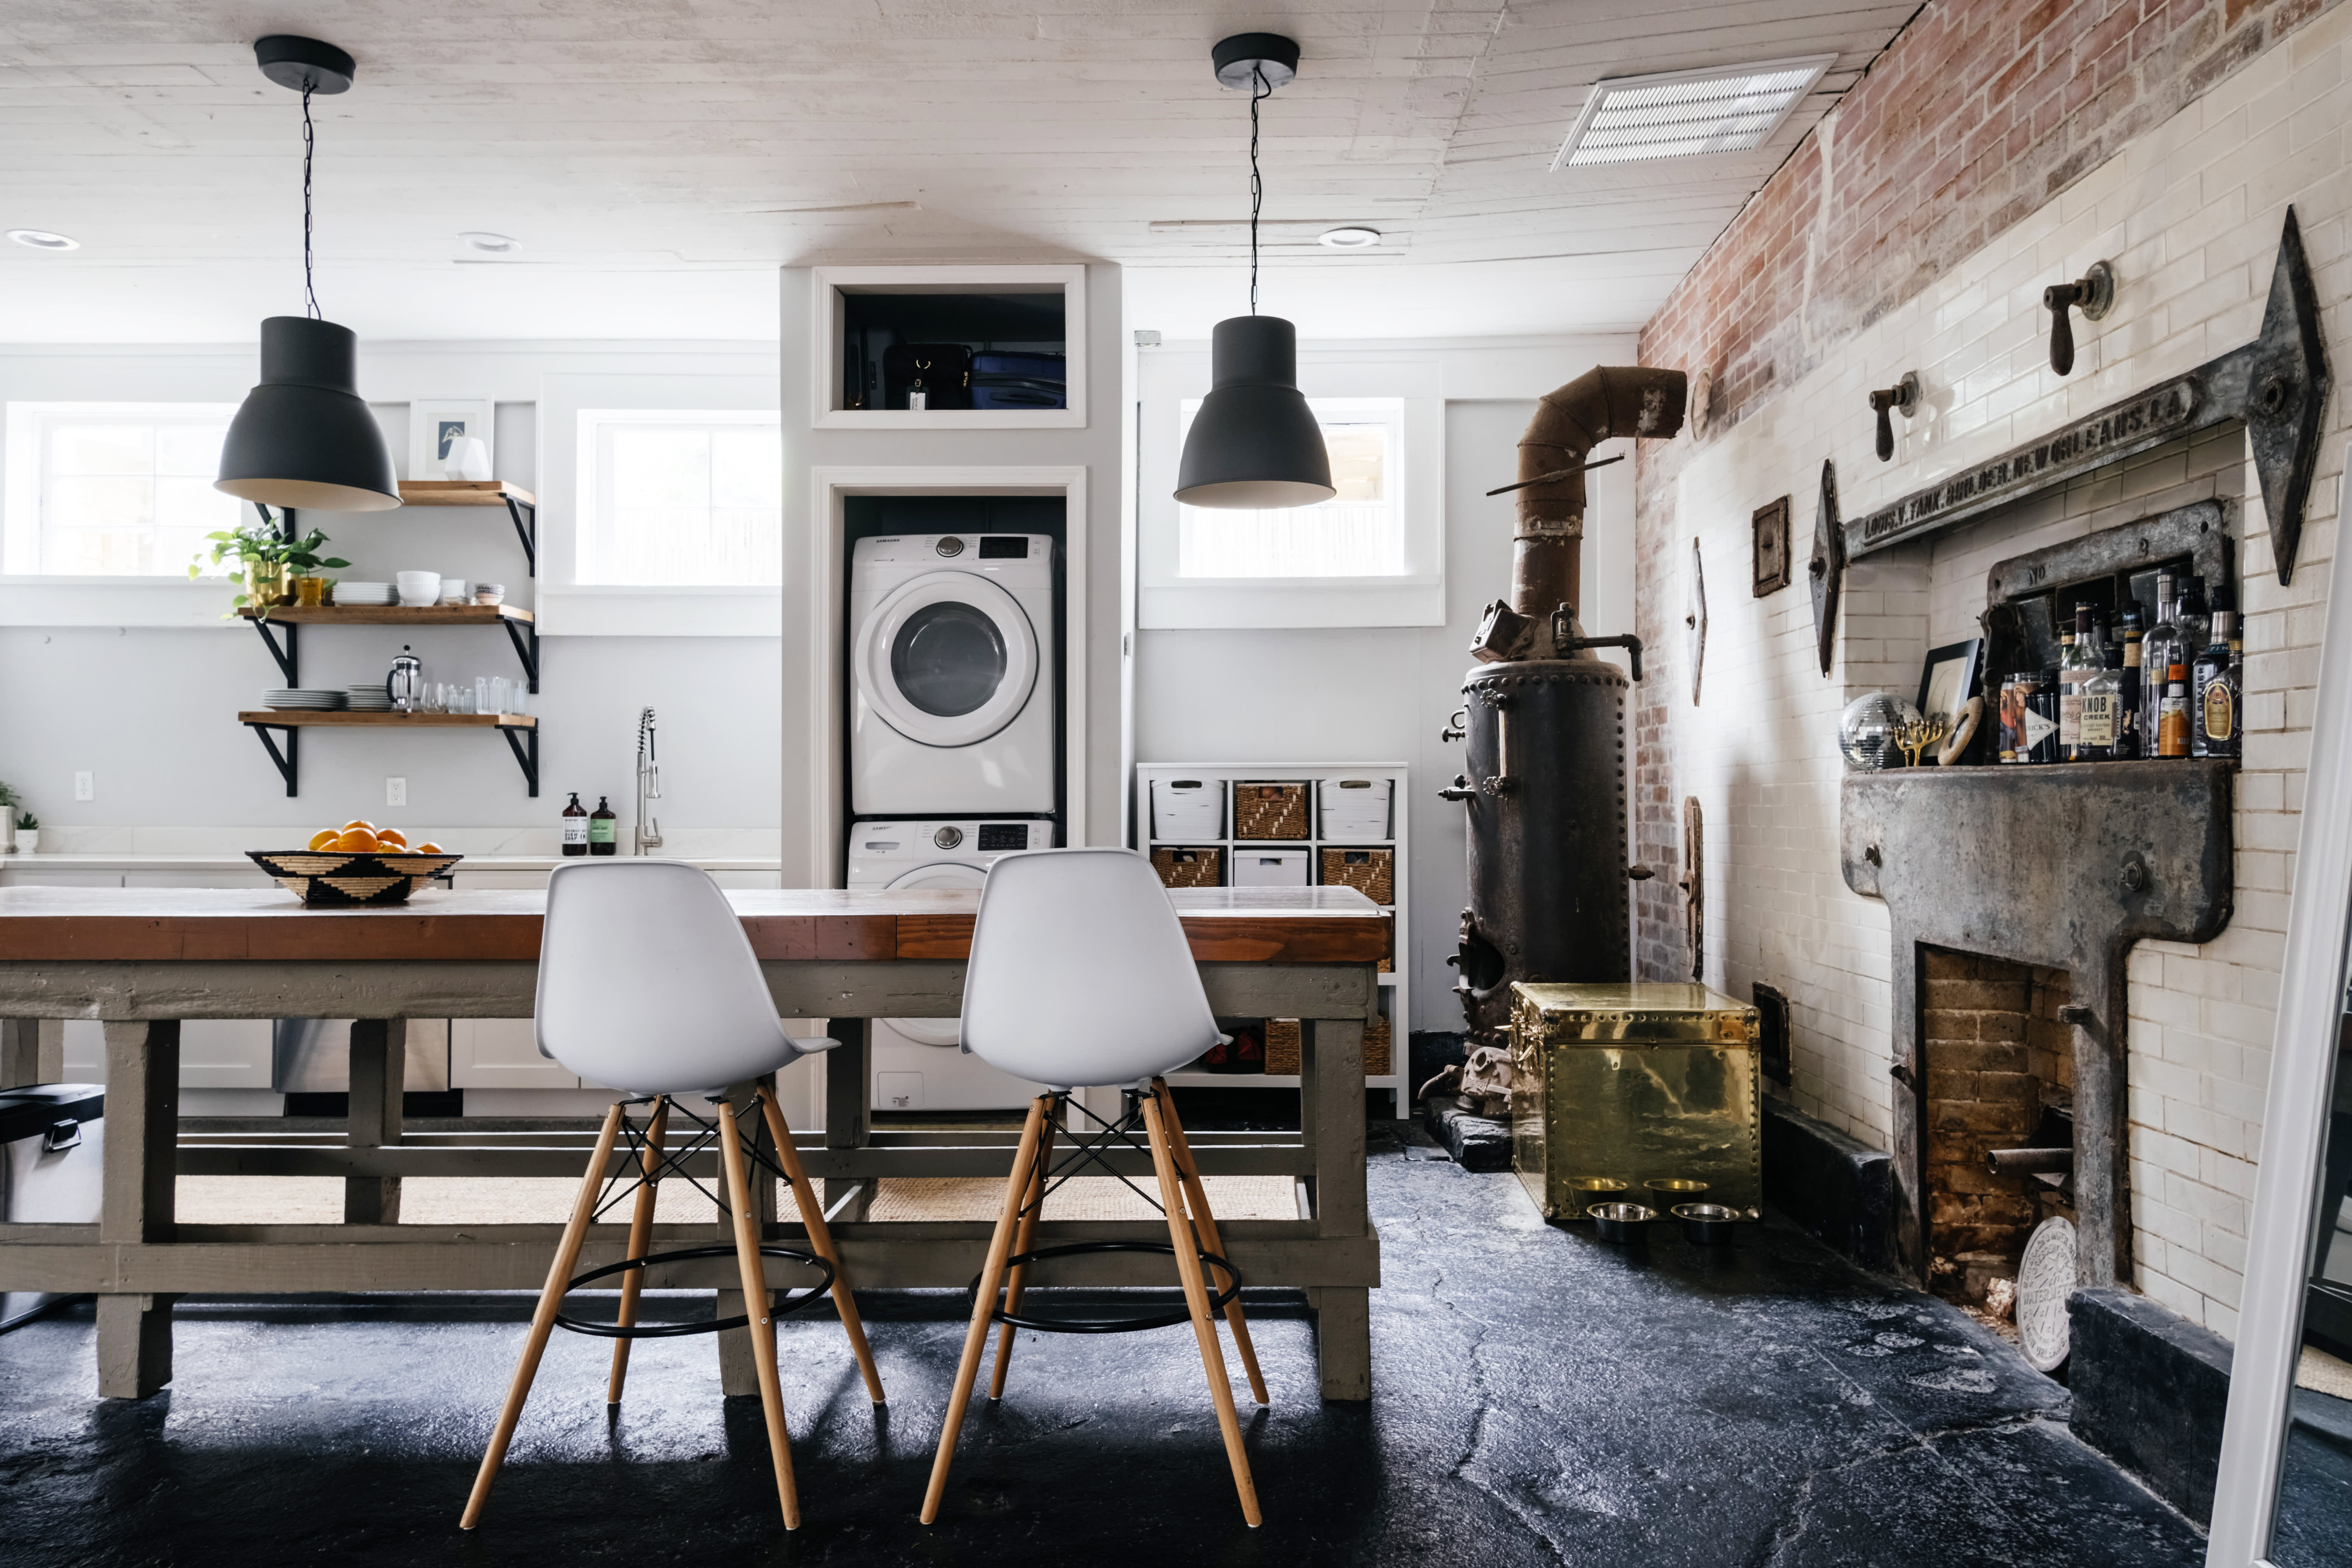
<point x="436" y="424"/>
<point x="1947" y="680"/>
<point x="1771" y="525"/>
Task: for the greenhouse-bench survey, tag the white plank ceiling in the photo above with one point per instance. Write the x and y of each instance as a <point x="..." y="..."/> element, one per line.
<point x="657" y="160"/>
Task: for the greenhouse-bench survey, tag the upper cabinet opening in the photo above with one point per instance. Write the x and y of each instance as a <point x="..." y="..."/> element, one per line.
<point x="949" y="348"/>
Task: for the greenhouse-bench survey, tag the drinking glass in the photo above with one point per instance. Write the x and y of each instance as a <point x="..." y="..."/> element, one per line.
<point x="498" y="695"/>
<point x="482" y="694"/>
<point x="461" y="700"/>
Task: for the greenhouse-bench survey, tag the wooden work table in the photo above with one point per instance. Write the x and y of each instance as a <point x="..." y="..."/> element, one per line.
<point x="143" y="960"/>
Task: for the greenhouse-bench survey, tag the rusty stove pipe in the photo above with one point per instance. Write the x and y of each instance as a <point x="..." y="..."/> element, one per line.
<point x="1604" y="402"/>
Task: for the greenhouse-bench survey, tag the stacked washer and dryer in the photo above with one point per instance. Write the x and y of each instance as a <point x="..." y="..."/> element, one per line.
<point x="954" y="754"/>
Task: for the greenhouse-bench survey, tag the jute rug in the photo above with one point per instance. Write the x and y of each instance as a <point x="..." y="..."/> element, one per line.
<point x="547" y="1200"/>
<point x="2317" y="1370"/>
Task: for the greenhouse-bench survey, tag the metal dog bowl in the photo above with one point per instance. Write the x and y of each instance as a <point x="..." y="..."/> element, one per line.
<point x="1710" y="1224"/>
<point x="1665" y="1193"/>
<point x="1596" y="1190"/>
<point x="1623" y="1222"/>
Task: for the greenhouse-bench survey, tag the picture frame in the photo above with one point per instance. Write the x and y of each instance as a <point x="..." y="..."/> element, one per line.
<point x="435" y="422"/>
<point x="1772" y="570"/>
<point x="1947" y="679"/>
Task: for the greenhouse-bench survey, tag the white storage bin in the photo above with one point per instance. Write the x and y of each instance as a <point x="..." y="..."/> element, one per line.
<point x="1188" y="808"/>
<point x="1269" y="867"/>
<point x="1355" y="811"/>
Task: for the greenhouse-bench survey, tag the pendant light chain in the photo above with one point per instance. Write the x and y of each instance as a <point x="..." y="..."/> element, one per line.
<point x="309" y="137"/>
<point x="1257" y="186"/>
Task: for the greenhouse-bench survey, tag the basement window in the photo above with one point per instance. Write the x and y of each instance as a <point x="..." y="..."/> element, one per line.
<point x="680" y="497"/>
<point x="1682" y="114"/>
<point x="113" y="490"/>
<point x="1360" y="533"/>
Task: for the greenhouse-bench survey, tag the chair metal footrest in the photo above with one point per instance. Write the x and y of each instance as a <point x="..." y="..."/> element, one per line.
<point x="1123" y="1325"/>
<point x="791" y="1300"/>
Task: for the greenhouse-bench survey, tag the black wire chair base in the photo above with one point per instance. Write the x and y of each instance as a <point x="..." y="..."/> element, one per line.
<point x="791" y="1300"/>
<point x="1133" y="1323"/>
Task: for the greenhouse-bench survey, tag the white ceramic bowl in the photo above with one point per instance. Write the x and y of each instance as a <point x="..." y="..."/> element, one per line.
<point x="418" y="587"/>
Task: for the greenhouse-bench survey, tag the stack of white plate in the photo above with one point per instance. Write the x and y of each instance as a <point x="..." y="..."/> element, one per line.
<point x="356" y="595"/>
<point x="374" y="699"/>
<point x="302" y="698"/>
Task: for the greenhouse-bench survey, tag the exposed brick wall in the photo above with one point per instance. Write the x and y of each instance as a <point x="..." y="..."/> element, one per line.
<point x="1994" y="1052"/>
<point x="1977" y="116"/>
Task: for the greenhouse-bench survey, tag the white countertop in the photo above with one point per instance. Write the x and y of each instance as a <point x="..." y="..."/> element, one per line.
<point x="138" y="862"/>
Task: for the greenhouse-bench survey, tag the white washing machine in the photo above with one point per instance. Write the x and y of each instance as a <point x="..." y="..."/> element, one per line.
<point x="918" y="1063"/>
<point x="953" y="706"/>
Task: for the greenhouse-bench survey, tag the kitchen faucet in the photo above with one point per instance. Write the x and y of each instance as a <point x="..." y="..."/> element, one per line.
<point x="648" y="831"/>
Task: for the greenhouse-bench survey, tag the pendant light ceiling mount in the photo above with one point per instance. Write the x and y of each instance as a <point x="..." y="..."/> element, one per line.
<point x="1246" y="56"/>
<point x="304" y="65"/>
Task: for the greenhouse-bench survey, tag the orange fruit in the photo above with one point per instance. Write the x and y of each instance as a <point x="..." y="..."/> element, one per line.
<point x="360" y="841"/>
<point x="429" y="848"/>
<point x="359" y="825"/>
<point x="391" y="838"/>
<point x="325" y="839"/>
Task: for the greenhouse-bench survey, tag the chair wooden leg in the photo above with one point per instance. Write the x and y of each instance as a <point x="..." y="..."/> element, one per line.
<point x="757" y="1301"/>
<point x="543" y="1322"/>
<point x="1032" y="1211"/>
<point x="1196" y="1296"/>
<point x="991" y="1274"/>
<point x="788" y="1155"/>
<point x="641" y="1229"/>
<point x="1197" y="1194"/>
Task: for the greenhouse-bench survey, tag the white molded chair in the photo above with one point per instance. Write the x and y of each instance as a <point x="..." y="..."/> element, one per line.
<point x="1081" y="978"/>
<point x="647" y="983"/>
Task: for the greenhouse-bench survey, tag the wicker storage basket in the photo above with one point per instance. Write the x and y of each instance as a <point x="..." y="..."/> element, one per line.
<point x="1270" y="810"/>
<point x="1282" y="1037"/>
<point x="1189" y="867"/>
<point x="1371" y="872"/>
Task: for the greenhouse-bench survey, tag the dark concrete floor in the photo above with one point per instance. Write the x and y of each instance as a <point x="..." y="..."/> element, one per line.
<point x="1540" y="1397"/>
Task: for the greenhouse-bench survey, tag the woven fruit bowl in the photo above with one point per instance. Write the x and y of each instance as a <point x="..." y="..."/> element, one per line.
<point x="334" y="879"/>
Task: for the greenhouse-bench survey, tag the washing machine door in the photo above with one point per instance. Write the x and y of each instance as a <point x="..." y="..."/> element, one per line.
<point x="948" y="659"/>
<point x="948" y="874"/>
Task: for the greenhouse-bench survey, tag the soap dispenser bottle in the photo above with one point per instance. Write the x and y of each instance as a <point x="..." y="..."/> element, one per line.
<point x="604" y="829"/>
<point x="575" y="826"/>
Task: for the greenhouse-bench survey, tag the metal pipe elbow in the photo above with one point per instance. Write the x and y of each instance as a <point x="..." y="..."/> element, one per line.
<point x="1605" y="402"/>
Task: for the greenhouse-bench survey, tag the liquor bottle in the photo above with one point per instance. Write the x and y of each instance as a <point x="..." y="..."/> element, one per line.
<point x="604" y="829"/>
<point x="2172" y="714"/>
<point x="575" y="826"/>
<point x="2215" y="730"/>
<point x="2127" y="729"/>
<point x="2158" y="651"/>
<point x="2041" y="718"/>
<point x="2079" y="656"/>
<point x="2100" y="694"/>
<point x="2196" y="618"/>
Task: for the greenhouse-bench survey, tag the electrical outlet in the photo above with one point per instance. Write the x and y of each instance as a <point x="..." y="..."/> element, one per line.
<point x="85" y="787"/>
<point x="395" y="792"/>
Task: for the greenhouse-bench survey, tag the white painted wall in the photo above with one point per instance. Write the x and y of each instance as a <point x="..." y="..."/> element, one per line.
<point x="1382" y="694"/>
<point x="2191" y="215"/>
<point x="150" y="710"/>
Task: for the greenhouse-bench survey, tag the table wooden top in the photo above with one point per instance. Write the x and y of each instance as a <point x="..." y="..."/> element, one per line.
<point x="1248" y="925"/>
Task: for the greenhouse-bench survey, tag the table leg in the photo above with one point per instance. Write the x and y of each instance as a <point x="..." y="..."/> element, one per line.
<point x="379" y="1072"/>
<point x="32" y="1050"/>
<point x="848" y="1110"/>
<point x="1331" y="1104"/>
<point x="143" y="1132"/>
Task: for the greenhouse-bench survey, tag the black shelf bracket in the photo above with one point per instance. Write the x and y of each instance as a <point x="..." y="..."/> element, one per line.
<point x="290" y="761"/>
<point x="526" y="752"/>
<point x="288" y="654"/>
<point x="526" y="520"/>
<point x="524" y="635"/>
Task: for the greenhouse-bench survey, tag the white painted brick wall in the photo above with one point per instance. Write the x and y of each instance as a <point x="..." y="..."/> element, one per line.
<point x="2191" y="215"/>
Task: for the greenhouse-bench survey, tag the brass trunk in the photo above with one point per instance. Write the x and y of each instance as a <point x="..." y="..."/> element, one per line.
<point x="1634" y="1083"/>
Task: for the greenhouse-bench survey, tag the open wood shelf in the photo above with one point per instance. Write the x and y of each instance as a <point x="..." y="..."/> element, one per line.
<point x="463" y="492"/>
<point x="393" y="614"/>
<point x="521" y="729"/>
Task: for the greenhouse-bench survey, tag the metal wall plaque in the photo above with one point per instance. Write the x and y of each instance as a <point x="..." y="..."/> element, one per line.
<point x="1827" y="566"/>
<point x="1770" y="525"/>
<point x="1695" y="618"/>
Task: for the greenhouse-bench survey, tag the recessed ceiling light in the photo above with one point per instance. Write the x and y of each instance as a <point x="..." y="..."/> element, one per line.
<point x="1678" y="115"/>
<point x="42" y="240"/>
<point x="494" y="244"/>
<point x="1350" y="238"/>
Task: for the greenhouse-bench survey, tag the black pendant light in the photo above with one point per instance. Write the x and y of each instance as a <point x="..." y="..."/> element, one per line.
<point x="1254" y="443"/>
<point x="303" y="438"/>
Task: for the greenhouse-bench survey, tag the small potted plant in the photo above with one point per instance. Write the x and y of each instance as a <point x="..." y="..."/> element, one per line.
<point x="8" y="804"/>
<point x="269" y="560"/>
<point x="28" y="833"/>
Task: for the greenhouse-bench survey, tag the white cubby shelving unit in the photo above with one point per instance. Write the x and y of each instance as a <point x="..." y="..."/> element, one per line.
<point x="1395" y="984"/>
<point x="828" y="329"/>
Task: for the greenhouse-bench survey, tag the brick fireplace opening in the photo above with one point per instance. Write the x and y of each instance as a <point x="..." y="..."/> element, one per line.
<point x="2000" y="1068"/>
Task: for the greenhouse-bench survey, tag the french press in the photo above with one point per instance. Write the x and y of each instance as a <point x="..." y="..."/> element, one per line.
<point x="406" y="684"/>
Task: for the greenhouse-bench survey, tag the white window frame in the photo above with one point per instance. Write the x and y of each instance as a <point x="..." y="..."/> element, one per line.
<point x="1167" y="378"/>
<point x="65" y="599"/>
<point x="569" y="607"/>
<point x="591" y="420"/>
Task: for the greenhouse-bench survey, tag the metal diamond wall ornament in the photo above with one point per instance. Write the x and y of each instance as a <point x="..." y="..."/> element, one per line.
<point x="1827" y="566"/>
<point x="1694" y="616"/>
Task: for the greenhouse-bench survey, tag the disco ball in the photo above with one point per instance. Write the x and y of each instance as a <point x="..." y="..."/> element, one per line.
<point x="1867" y="731"/>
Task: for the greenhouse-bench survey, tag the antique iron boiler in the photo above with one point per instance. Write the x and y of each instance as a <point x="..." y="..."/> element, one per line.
<point x="1544" y="724"/>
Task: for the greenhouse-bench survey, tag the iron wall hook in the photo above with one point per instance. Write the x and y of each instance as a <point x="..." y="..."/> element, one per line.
<point x="2093" y="294"/>
<point x="1901" y="398"/>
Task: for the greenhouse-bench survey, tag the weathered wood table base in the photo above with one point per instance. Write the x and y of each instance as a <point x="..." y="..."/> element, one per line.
<point x="144" y="961"/>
